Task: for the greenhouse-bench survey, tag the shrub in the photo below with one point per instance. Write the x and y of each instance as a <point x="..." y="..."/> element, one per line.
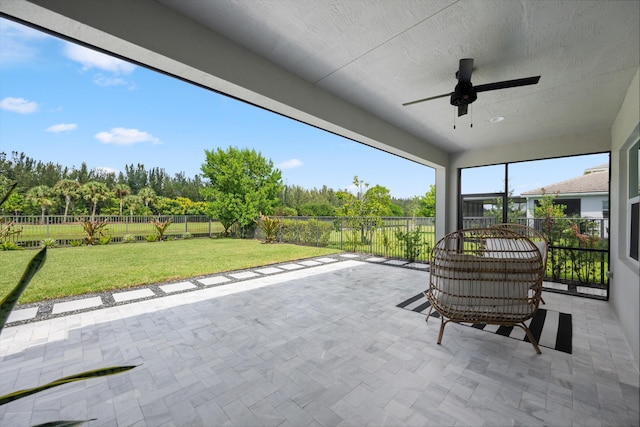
<point x="8" y="228"/>
<point x="151" y="238"/>
<point x="270" y="227"/>
<point x="10" y="246"/>
<point x="49" y="242"/>
<point x="128" y="238"/>
<point x="285" y="211"/>
<point x="94" y="231"/>
<point x="310" y="232"/>
<point x="161" y="228"/>
<point x="411" y="242"/>
<point x="76" y="243"/>
<point x="187" y="235"/>
<point x="387" y="244"/>
<point x="104" y="240"/>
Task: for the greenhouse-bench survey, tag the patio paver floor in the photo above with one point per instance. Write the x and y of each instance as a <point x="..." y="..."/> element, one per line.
<point x="322" y="345"/>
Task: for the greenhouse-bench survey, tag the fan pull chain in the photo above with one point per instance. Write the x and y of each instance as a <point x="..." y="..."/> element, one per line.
<point x="471" y="108"/>
<point x="454" y="118"/>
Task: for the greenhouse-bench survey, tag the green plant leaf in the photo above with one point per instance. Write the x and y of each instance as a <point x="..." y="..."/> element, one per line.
<point x="6" y="196"/>
<point x="103" y="372"/>
<point x="11" y="299"/>
<point x="66" y="423"/>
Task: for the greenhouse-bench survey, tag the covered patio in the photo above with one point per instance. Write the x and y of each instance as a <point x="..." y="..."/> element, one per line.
<point x="325" y="345"/>
<point x="333" y="348"/>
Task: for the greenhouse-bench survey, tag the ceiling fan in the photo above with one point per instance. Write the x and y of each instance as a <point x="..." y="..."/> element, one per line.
<point x="465" y="93"/>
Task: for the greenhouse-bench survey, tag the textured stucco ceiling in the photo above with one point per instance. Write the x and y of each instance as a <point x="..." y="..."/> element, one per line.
<point x="348" y="66"/>
<point x="380" y="54"/>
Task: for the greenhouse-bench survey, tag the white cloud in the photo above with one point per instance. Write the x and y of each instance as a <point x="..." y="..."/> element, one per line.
<point x="122" y="136"/>
<point x="290" y="164"/>
<point x="14" y="30"/>
<point x="17" y="43"/>
<point x="19" y="105"/>
<point x="101" y="80"/>
<point x="62" y="127"/>
<point x="94" y="59"/>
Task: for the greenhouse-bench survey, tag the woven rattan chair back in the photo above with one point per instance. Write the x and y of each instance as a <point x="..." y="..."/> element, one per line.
<point x="486" y="275"/>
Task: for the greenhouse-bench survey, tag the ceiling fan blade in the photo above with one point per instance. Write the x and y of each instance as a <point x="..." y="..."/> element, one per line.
<point x="462" y="110"/>
<point x="507" y="84"/>
<point x="427" y="99"/>
<point x="465" y="69"/>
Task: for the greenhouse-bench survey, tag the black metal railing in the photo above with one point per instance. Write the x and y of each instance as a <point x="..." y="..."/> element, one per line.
<point x="393" y="237"/>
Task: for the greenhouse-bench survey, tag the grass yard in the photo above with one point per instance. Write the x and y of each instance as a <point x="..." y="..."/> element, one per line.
<point x="72" y="271"/>
<point x="74" y="231"/>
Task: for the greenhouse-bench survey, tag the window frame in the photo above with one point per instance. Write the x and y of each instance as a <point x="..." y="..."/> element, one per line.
<point x="632" y="198"/>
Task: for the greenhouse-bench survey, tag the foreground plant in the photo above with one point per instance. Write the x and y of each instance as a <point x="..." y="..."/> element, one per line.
<point x="411" y="242"/>
<point x="94" y="231"/>
<point x="270" y="227"/>
<point x="161" y="227"/>
<point x="7" y="305"/>
<point x="8" y="228"/>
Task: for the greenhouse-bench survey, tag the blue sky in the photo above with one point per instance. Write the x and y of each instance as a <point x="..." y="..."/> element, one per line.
<point x="66" y="104"/>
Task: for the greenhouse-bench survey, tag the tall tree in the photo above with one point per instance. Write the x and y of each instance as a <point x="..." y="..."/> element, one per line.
<point x="94" y="192"/>
<point x="427" y="204"/>
<point x="242" y="185"/>
<point x="364" y="209"/>
<point x="121" y="191"/>
<point x="41" y="196"/>
<point x="147" y="195"/>
<point x="136" y="177"/>
<point x="82" y="175"/>
<point x="69" y="189"/>
<point x="132" y="202"/>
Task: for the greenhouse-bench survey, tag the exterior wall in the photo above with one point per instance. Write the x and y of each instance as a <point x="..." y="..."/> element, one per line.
<point x="590" y="206"/>
<point x="625" y="283"/>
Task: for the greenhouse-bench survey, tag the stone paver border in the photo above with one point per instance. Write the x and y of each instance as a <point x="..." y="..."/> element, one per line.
<point x="55" y="308"/>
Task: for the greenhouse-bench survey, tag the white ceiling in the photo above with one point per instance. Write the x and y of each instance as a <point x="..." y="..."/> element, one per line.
<point x="379" y="54"/>
<point x="348" y="65"/>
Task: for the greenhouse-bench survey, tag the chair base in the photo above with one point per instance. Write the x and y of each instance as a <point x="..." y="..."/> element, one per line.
<point x="443" y="323"/>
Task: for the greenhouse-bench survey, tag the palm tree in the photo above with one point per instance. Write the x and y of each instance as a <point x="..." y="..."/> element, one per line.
<point x="42" y="196"/>
<point x="94" y="192"/>
<point x="148" y="195"/>
<point x="121" y="191"/>
<point x="67" y="188"/>
<point x="132" y="201"/>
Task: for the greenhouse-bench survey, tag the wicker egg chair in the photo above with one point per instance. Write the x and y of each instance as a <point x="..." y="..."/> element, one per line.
<point x="486" y="275"/>
<point x="532" y="234"/>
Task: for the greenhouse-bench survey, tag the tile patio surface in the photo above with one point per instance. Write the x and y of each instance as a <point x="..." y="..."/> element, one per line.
<point x="318" y="342"/>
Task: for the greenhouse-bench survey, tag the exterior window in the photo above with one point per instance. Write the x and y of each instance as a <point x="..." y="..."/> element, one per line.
<point x="633" y="200"/>
<point x="605" y="209"/>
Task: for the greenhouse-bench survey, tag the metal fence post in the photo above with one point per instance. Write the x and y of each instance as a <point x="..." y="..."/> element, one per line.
<point x="371" y="237"/>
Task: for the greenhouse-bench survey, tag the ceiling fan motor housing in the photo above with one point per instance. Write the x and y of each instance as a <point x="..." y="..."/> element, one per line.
<point x="463" y="94"/>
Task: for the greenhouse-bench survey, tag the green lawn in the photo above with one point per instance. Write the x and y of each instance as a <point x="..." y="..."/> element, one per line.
<point x="79" y="270"/>
<point x="74" y="231"/>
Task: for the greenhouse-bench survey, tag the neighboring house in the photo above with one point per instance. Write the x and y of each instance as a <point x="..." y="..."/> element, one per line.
<point x="586" y="196"/>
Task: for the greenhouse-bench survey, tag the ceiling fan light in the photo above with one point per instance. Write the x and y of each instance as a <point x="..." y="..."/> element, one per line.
<point x="496" y="119"/>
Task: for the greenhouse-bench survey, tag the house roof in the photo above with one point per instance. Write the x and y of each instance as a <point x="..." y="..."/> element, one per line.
<point x="594" y="180"/>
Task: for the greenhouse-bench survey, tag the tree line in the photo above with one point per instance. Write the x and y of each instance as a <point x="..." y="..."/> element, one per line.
<point x="236" y="186"/>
